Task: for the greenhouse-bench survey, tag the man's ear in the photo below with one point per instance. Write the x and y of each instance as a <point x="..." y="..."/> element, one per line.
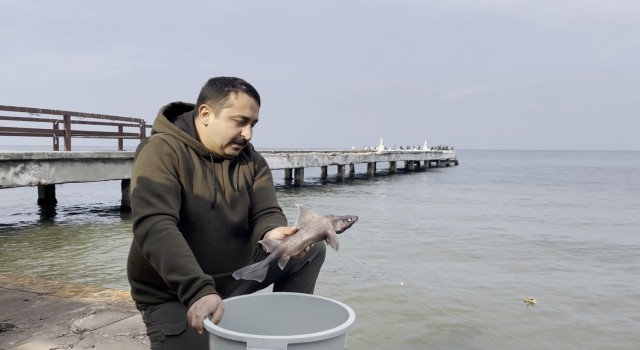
<point x="204" y="114"/>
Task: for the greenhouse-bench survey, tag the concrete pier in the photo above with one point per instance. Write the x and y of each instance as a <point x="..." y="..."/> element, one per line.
<point x="46" y="169"/>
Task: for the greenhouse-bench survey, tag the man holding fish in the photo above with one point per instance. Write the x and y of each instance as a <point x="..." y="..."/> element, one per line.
<point x="204" y="206"/>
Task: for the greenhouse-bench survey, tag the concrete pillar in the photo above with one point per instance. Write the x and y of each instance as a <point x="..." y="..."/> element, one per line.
<point x="47" y="194"/>
<point x="340" y="174"/>
<point x="409" y="165"/>
<point x="298" y="177"/>
<point x="287" y="174"/>
<point x="371" y="169"/>
<point x="125" y="202"/>
<point x="392" y="167"/>
<point x="323" y="172"/>
<point x="352" y="169"/>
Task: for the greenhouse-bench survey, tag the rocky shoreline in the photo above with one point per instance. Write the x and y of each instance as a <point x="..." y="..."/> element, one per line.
<point x="47" y="315"/>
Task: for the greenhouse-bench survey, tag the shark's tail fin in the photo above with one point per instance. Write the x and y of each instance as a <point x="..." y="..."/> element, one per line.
<point x="254" y="272"/>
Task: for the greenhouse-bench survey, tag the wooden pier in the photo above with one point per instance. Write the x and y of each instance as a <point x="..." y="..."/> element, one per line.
<point x="46" y="169"/>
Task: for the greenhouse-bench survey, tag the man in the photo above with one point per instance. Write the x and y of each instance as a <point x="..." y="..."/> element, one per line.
<point x="202" y="198"/>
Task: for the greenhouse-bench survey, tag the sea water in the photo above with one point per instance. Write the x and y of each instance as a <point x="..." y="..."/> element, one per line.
<point x="439" y="259"/>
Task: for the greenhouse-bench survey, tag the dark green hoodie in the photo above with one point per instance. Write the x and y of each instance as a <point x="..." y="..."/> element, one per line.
<point x="197" y="217"/>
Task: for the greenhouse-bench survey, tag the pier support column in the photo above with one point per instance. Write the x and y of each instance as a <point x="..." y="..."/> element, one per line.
<point x="392" y="167"/>
<point x="352" y="169"/>
<point x="371" y="169"/>
<point x="47" y="194"/>
<point x="125" y="202"/>
<point x="298" y="178"/>
<point x="409" y="165"/>
<point x="323" y="172"/>
<point x="340" y="174"/>
<point x="288" y="174"/>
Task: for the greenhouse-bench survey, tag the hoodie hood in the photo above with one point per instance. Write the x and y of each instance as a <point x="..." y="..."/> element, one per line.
<point x="178" y="119"/>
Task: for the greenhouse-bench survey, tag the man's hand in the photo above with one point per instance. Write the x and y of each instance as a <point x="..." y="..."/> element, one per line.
<point x="208" y="305"/>
<point x="282" y="232"/>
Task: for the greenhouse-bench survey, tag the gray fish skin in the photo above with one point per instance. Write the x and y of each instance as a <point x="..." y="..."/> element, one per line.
<point x="312" y="228"/>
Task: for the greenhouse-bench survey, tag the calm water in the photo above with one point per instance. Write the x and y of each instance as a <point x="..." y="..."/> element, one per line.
<point x="438" y="259"/>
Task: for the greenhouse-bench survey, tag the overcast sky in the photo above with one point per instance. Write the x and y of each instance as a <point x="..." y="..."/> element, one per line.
<point x="473" y="74"/>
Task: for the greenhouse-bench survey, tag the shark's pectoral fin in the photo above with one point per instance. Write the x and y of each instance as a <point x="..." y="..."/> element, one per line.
<point x="283" y="261"/>
<point x="332" y="241"/>
<point x="270" y="245"/>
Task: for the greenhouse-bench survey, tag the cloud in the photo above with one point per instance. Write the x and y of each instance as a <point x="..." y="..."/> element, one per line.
<point x="464" y="92"/>
<point x="74" y="66"/>
<point x="539" y="11"/>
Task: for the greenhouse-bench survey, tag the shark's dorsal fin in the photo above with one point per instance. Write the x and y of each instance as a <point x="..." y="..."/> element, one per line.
<point x="305" y="214"/>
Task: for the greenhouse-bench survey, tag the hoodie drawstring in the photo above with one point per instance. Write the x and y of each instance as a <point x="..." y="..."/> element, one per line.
<point x="213" y="187"/>
<point x="236" y="179"/>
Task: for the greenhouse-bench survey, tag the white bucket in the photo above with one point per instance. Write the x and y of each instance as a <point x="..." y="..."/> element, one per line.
<point x="281" y="321"/>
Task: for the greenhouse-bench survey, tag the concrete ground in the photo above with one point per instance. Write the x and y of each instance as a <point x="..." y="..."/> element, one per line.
<point x="46" y="315"/>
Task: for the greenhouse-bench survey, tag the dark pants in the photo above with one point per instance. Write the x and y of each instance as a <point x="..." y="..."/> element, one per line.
<point x="167" y="324"/>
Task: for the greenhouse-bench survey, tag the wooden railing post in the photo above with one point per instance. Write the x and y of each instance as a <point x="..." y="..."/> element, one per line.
<point x="67" y="132"/>
<point x="56" y="140"/>
<point x="143" y="130"/>
<point x="120" y="141"/>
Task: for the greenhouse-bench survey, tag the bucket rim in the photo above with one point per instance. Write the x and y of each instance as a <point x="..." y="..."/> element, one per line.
<point x="301" y="338"/>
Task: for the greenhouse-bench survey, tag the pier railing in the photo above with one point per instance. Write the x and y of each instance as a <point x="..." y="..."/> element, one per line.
<point x="29" y="122"/>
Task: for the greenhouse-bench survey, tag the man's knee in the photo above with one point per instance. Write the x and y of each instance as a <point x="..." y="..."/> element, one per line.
<point x="318" y="251"/>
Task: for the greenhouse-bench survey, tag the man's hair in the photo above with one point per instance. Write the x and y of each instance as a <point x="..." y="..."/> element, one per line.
<point x="215" y="93"/>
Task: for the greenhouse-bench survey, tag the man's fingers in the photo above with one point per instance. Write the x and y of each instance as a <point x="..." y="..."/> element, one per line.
<point x="280" y="233"/>
<point x="208" y="305"/>
<point x="217" y="315"/>
<point x="195" y="321"/>
<point x="304" y="252"/>
<point x="287" y="231"/>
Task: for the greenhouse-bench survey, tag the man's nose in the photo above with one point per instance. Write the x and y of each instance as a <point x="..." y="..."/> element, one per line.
<point x="247" y="132"/>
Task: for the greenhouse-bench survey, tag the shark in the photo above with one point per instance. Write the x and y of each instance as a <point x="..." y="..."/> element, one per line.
<point x="312" y="227"/>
